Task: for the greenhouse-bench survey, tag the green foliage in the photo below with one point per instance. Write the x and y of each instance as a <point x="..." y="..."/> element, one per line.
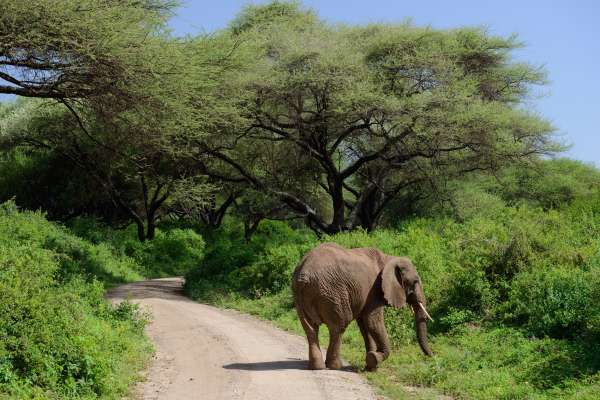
<point x="501" y="363"/>
<point x="272" y="271"/>
<point x="557" y="302"/>
<point x="550" y="184"/>
<point x="60" y="338"/>
<point x="275" y="12"/>
<point x="82" y="48"/>
<point x="377" y="109"/>
<point x="513" y="290"/>
<point x="75" y="256"/>
<point x="172" y="252"/>
<point x="46" y="180"/>
<point x="263" y="265"/>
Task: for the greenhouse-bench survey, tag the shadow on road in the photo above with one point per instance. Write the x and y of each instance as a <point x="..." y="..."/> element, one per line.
<point x="291" y="363"/>
<point x="269" y="365"/>
<point x="168" y="288"/>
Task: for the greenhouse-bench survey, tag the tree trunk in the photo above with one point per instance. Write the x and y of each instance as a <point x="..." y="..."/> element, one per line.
<point x="140" y="230"/>
<point x="339" y="207"/>
<point x="151" y="227"/>
<point x="365" y="213"/>
<point x="250" y="228"/>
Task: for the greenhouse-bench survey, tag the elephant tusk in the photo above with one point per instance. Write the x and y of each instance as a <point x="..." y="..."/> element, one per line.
<point x="425" y="311"/>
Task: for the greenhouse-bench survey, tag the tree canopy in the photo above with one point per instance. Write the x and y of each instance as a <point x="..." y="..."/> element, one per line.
<point x="80" y="49"/>
<point x="338" y="120"/>
<point x="282" y="114"/>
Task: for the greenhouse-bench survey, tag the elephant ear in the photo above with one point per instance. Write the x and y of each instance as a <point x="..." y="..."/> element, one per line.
<point x="391" y="284"/>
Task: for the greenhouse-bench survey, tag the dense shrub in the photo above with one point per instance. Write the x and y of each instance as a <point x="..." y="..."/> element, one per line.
<point x="59" y="338"/>
<point x="559" y="302"/>
<point x="45" y="180"/>
<point x="172" y="252"/>
<point x="271" y="272"/>
<point x="552" y="184"/>
<point x="263" y="265"/>
<point x="74" y="255"/>
<point x="496" y="266"/>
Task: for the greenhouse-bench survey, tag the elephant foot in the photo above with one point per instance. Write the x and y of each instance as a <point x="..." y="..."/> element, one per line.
<point x="316" y="364"/>
<point x="373" y="359"/>
<point x="334" y="364"/>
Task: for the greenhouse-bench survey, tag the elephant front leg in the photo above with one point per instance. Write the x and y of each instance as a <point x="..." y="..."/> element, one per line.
<point x="333" y="360"/>
<point x="364" y="330"/>
<point x="372" y="360"/>
<point x="376" y="328"/>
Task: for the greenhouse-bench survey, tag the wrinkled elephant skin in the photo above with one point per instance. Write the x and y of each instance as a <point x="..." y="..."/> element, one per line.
<point x="334" y="286"/>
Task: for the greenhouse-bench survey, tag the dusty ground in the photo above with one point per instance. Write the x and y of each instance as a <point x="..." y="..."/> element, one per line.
<point x="207" y="353"/>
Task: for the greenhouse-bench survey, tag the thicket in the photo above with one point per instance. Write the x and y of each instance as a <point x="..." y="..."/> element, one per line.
<point x="512" y="283"/>
<point x="173" y="251"/>
<point x="59" y="337"/>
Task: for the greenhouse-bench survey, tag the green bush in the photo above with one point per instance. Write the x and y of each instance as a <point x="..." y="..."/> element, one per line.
<point x="263" y="265"/>
<point x="59" y="338"/>
<point x="74" y="255"/>
<point x="553" y="184"/>
<point x="557" y="302"/>
<point x="227" y="251"/>
<point x="271" y="272"/>
<point x="172" y="252"/>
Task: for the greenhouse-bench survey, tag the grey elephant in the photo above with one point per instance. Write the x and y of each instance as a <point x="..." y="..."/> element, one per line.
<point x="333" y="286"/>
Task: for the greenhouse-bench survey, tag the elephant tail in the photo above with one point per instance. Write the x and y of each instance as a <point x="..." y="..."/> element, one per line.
<point x="301" y="285"/>
<point x="308" y="321"/>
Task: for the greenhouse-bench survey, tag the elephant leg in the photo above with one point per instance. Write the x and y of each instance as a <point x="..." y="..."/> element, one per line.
<point x="315" y="357"/>
<point x="364" y="330"/>
<point x="333" y="360"/>
<point x="376" y="327"/>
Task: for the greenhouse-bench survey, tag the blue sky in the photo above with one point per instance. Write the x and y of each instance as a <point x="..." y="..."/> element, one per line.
<point x="562" y="36"/>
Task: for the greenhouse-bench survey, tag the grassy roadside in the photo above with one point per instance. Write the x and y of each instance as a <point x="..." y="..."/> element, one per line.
<point x="59" y="337"/>
<point x="514" y="296"/>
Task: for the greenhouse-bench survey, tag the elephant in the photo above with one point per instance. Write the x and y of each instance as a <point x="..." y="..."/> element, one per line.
<point x="333" y="285"/>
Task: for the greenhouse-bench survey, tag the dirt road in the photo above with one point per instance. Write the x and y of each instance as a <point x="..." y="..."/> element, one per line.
<point x="207" y="353"/>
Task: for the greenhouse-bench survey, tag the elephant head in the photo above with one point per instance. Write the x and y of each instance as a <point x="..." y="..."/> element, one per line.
<point x="401" y="284"/>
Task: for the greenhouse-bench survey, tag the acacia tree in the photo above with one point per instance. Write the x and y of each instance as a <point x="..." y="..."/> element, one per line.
<point x="127" y="152"/>
<point x="360" y="114"/>
<point x="127" y="89"/>
<point x="82" y="49"/>
<point x="126" y="168"/>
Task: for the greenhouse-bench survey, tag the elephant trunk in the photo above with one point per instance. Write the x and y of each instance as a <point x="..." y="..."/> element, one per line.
<point x="421" y="315"/>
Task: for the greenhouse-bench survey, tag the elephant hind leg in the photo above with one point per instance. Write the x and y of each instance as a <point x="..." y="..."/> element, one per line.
<point x="315" y="357"/>
<point x="333" y="360"/>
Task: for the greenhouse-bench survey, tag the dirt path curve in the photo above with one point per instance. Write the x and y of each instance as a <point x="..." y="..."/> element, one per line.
<point x="207" y="353"/>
